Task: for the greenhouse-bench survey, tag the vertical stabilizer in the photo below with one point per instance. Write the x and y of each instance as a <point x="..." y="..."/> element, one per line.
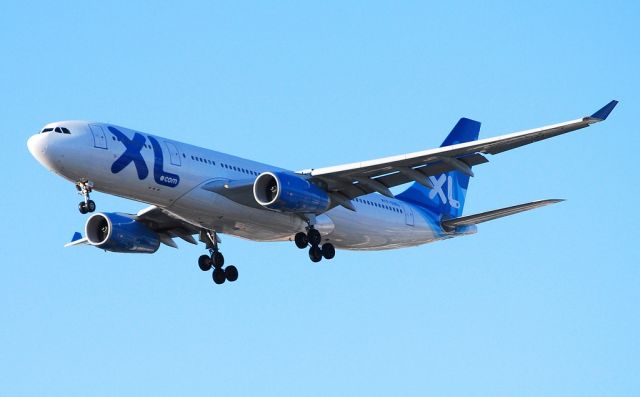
<point x="447" y="196"/>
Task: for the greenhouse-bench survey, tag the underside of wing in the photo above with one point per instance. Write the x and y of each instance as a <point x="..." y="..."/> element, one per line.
<point x="168" y="225"/>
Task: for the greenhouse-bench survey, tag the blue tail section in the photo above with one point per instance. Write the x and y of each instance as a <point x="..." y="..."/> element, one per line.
<point x="449" y="189"/>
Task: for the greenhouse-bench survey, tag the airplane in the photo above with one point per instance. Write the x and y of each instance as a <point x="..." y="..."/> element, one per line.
<point x="193" y="191"/>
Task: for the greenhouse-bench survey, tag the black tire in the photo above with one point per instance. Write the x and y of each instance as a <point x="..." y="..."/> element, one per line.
<point x="231" y="272"/>
<point x="314" y="237"/>
<point x="301" y="240"/>
<point x="218" y="276"/>
<point x="315" y="253"/>
<point x="204" y="262"/>
<point x="328" y="251"/>
<point x="82" y="208"/>
<point x="217" y="259"/>
<point x="91" y="206"/>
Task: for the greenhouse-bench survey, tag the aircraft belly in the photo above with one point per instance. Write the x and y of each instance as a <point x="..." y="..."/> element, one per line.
<point x="213" y="211"/>
<point x="372" y="230"/>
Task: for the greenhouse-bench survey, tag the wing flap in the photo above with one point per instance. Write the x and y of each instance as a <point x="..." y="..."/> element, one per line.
<point x="451" y="224"/>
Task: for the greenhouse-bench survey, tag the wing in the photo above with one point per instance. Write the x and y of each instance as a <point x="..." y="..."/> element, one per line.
<point x="348" y="181"/>
<point x="167" y="224"/>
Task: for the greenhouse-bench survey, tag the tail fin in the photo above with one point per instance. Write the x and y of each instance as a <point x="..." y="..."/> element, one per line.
<point x="449" y="189"/>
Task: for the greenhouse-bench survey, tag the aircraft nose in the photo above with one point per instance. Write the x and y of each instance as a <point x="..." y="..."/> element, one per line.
<point x="38" y="145"/>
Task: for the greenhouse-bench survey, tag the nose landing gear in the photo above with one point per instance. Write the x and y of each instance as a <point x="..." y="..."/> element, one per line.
<point x="215" y="260"/>
<point x="87" y="205"/>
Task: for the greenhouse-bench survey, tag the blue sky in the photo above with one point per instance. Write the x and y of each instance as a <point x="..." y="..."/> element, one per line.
<point x="542" y="303"/>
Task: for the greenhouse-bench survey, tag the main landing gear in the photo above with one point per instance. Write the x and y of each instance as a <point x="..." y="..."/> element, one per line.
<point x="215" y="260"/>
<point x="312" y="240"/>
<point x="87" y="205"/>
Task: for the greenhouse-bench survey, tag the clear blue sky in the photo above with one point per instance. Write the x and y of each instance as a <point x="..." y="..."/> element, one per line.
<point x="543" y="303"/>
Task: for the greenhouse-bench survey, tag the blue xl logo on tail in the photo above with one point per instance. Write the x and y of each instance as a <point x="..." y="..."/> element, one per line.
<point x="132" y="154"/>
<point x="438" y="189"/>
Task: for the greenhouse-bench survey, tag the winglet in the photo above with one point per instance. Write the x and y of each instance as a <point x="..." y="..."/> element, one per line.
<point x="77" y="239"/>
<point x="603" y="113"/>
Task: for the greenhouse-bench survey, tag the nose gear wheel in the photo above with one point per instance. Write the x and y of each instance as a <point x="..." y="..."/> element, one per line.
<point x="85" y="189"/>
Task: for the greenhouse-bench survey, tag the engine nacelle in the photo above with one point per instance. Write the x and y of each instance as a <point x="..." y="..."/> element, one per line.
<point x="118" y="233"/>
<point x="289" y="193"/>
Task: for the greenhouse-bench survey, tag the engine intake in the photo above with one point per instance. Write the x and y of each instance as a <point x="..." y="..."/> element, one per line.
<point x="289" y="193"/>
<point x="119" y="233"/>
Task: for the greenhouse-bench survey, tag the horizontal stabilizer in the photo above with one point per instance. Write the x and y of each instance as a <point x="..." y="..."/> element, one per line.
<point x="451" y="224"/>
<point x="77" y="239"/>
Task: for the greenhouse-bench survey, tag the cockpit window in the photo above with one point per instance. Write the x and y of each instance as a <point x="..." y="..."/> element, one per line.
<point x="59" y="130"/>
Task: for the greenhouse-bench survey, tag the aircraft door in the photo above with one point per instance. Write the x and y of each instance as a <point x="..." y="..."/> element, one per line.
<point x="408" y="215"/>
<point x="174" y="154"/>
<point x="99" y="138"/>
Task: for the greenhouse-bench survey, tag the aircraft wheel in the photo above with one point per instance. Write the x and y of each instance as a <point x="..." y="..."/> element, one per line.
<point x="218" y="276"/>
<point x="315" y="253"/>
<point x="231" y="273"/>
<point x="314" y="237"/>
<point x="91" y="206"/>
<point x="218" y="259"/>
<point x="301" y="239"/>
<point x="204" y="262"/>
<point x="82" y="208"/>
<point x="328" y="251"/>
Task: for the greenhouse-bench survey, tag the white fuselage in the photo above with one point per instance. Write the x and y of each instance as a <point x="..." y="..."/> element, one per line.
<point x="90" y="150"/>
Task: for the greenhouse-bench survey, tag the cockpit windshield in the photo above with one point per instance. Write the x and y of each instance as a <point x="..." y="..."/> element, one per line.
<point x="59" y="130"/>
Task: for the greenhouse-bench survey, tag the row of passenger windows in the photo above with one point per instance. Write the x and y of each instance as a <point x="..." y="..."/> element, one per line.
<point x="223" y="165"/>
<point x="387" y="207"/>
<point x="202" y="160"/>
<point x="239" y="169"/>
<point x="59" y="130"/>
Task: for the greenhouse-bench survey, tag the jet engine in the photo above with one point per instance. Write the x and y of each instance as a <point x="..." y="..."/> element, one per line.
<point x="118" y="233"/>
<point x="289" y="193"/>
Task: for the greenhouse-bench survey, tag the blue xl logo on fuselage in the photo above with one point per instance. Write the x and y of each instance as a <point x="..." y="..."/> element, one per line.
<point x="132" y="154"/>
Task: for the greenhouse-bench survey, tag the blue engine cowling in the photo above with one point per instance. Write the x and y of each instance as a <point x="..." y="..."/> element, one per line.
<point x="289" y="193"/>
<point x="119" y="233"/>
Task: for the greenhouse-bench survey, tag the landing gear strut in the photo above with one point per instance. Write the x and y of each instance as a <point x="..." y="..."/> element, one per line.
<point x="87" y="205"/>
<point x="215" y="260"/>
<point x="312" y="240"/>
